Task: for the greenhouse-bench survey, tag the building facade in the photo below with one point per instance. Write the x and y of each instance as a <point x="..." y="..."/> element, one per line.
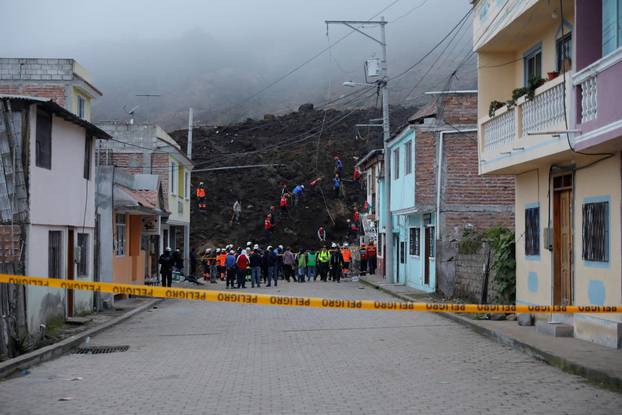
<point x="548" y="115"/>
<point x="52" y="205"/>
<point x="64" y="81"/>
<point x="147" y="149"/>
<point x="436" y="192"/>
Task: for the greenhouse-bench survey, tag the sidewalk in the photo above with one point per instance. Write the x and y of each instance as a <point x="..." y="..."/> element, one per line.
<point x="71" y="338"/>
<point x="598" y="364"/>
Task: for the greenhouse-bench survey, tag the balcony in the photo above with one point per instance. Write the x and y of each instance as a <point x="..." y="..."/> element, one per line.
<point x="598" y="90"/>
<point x="509" y="139"/>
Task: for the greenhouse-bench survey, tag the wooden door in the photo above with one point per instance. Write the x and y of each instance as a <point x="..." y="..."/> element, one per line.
<point x="70" y="270"/>
<point x="562" y="247"/>
<point x="426" y="256"/>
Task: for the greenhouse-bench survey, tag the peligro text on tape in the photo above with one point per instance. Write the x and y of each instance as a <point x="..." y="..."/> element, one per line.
<point x="292" y="301"/>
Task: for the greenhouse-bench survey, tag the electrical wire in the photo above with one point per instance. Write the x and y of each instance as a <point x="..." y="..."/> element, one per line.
<point x="409" y="12"/>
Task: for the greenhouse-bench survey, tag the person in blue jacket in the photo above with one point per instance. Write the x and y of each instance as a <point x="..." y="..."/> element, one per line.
<point x="298" y="193"/>
<point x="230" y="266"/>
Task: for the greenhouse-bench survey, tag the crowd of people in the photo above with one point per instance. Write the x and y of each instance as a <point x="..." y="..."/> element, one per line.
<point x="240" y="266"/>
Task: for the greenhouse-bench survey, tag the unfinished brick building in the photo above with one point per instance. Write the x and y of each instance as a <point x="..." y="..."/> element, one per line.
<point x="437" y="194"/>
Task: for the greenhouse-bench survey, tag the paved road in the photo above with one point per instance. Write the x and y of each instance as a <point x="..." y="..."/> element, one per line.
<point x="198" y="358"/>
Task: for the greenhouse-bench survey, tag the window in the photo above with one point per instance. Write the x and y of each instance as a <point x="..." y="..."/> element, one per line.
<point x="611" y="26"/>
<point x="88" y="150"/>
<point x="187" y="184"/>
<point x="44" y="140"/>
<point x="119" y="236"/>
<point x="415" y="238"/>
<point x="408" y="158"/>
<point x="55" y="254"/>
<point x="81" y="106"/>
<point x="402" y="252"/>
<point x="83" y="254"/>
<point x="173" y="178"/>
<point x="180" y="184"/>
<point x="396" y="163"/>
<point x="432" y="241"/>
<point x="532" y="62"/>
<point x="596" y="231"/>
<point x="532" y="231"/>
<point x="563" y="46"/>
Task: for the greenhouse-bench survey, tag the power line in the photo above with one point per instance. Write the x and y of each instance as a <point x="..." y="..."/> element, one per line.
<point x="303" y="64"/>
<point x="409" y="12"/>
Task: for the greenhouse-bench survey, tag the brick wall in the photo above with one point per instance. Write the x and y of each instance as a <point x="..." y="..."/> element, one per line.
<point x="462" y="183"/>
<point x="16" y="69"/>
<point x="459" y="108"/>
<point x="55" y="92"/>
<point x="425" y="169"/>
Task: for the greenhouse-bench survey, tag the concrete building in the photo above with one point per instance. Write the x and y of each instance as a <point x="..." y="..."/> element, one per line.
<point x="560" y="137"/>
<point x="372" y="175"/>
<point x="147" y="149"/>
<point x="64" y="81"/>
<point x="130" y="209"/>
<point x="47" y="202"/>
<point x="436" y="192"/>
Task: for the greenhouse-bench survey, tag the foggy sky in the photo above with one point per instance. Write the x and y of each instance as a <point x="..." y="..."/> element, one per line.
<point x="212" y="53"/>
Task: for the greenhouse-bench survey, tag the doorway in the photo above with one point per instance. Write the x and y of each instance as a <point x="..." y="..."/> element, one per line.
<point x="396" y="242"/>
<point x="562" y="240"/>
<point x="426" y="256"/>
<point x="70" y="270"/>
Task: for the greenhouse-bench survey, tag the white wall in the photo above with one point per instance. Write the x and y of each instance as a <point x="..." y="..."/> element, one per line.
<point x="57" y="196"/>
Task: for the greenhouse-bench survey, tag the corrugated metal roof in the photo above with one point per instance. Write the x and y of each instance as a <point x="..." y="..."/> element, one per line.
<point x="54" y="108"/>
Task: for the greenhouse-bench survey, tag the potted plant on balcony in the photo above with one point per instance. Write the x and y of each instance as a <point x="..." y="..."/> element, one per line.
<point x="533" y="84"/>
<point x="552" y="75"/>
<point x="494" y="106"/>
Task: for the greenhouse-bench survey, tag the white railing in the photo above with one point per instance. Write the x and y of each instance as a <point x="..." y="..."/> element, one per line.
<point x="546" y="110"/>
<point x="499" y="131"/>
<point x="589" y="99"/>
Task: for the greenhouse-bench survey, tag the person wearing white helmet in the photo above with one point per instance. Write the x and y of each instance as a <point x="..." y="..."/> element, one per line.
<point x="346" y="254"/>
<point x="166" y="267"/>
<point x="230" y="267"/>
<point x="336" y="263"/>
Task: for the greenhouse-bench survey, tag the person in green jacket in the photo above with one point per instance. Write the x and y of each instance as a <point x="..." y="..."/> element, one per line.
<point x="311" y="265"/>
<point x="302" y="265"/>
<point x="323" y="259"/>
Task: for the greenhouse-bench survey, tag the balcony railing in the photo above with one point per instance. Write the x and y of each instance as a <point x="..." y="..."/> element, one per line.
<point x="589" y="99"/>
<point x="512" y="130"/>
<point x="499" y="130"/>
<point x="544" y="111"/>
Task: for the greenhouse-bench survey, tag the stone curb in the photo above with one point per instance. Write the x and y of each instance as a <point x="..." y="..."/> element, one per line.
<point x="597" y="376"/>
<point x="52" y="351"/>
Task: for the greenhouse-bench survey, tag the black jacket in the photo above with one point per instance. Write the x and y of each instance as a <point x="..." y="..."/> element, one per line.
<point x="256" y="260"/>
<point x="178" y="260"/>
<point x="166" y="263"/>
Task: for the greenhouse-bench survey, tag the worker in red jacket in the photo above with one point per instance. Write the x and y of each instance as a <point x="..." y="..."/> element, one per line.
<point x="242" y="265"/>
<point x="267" y="227"/>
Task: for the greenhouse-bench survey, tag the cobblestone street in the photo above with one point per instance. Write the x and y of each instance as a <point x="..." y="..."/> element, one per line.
<point x="200" y="358"/>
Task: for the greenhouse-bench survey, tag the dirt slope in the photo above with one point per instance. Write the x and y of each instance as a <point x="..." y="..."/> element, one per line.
<point x="259" y="188"/>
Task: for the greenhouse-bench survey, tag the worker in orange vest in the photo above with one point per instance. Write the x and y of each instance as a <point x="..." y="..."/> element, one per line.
<point x="347" y="257"/>
<point x="221" y="258"/>
<point x="200" y="193"/>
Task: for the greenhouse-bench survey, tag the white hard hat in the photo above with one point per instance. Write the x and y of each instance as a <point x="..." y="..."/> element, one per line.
<point x="249" y="243"/>
<point x="302" y="186"/>
<point x="232" y="252"/>
<point x="217" y="250"/>
<point x="168" y="248"/>
<point x="280" y="246"/>
<point x="345" y="245"/>
<point x="333" y="245"/>
<point x="269" y="247"/>
<point x="256" y="246"/>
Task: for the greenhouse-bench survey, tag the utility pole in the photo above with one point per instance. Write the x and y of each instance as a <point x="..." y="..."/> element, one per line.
<point x="382" y="83"/>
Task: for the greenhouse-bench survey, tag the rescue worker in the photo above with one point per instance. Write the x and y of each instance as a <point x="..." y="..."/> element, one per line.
<point x="213" y="267"/>
<point x="357" y="175"/>
<point x="200" y="193"/>
<point x="302" y="265"/>
<point x="264" y="265"/>
<point x="272" y="214"/>
<point x="336" y="185"/>
<point x="372" y="257"/>
<point x="323" y="262"/>
<point x="346" y="254"/>
<point x="284" y="189"/>
<point x="221" y="258"/>
<point x="297" y="192"/>
<point x="242" y="262"/>
<point x="311" y="265"/>
<point x="321" y="234"/>
<point x="255" y="264"/>
<point x="230" y="267"/>
<point x="267" y="226"/>
<point x="338" y="166"/>
<point x="336" y="263"/>
<point x="279" y="261"/>
<point x="363" y="252"/>
<point x="356" y="216"/>
<point x="283" y="203"/>
<point x="272" y="267"/>
<point x="166" y="267"/>
<point x="313" y="182"/>
<point x="237" y="210"/>
<point x="205" y="263"/>
<point x="289" y="260"/>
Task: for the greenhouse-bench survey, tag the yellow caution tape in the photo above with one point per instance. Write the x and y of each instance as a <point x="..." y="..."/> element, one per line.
<point x="290" y="301"/>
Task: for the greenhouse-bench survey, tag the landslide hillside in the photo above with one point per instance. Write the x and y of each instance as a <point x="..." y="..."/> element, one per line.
<point x="294" y="142"/>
